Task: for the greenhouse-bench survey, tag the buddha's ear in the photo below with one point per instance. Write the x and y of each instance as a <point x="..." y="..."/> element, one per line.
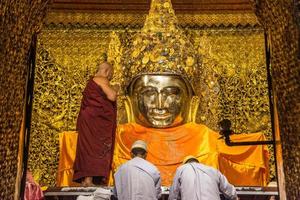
<point x="194" y="104"/>
<point x="129" y="111"/>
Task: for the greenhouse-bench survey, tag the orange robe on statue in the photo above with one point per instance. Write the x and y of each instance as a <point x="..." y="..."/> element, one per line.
<point x="242" y="165"/>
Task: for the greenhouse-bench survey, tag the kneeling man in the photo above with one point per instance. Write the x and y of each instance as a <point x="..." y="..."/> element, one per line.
<point x="195" y="181"/>
<point x="137" y="179"/>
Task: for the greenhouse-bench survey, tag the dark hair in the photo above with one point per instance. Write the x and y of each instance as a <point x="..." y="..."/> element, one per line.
<point x="138" y="151"/>
<point x="192" y="160"/>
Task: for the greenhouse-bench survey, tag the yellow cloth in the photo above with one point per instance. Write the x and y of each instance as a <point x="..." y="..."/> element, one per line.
<point x="67" y="153"/>
<point x="243" y="166"/>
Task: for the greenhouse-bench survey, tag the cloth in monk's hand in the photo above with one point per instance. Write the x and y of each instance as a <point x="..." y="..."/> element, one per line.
<point x="96" y="125"/>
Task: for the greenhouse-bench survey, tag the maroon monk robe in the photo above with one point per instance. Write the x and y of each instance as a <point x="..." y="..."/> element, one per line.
<point x="96" y="125"/>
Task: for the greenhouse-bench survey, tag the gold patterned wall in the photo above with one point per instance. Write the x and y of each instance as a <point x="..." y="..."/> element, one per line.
<point x="281" y="20"/>
<point x="20" y="20"/>
<point x="234" y="79"/>
<point x="65" y="60"/>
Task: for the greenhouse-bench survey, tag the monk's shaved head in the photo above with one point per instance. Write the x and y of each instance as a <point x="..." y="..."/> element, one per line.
<point x="106" y="70"/>
<point x="104" y="66"/>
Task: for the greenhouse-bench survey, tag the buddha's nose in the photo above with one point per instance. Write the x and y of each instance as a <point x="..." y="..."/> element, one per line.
<point x="160" y="103"/>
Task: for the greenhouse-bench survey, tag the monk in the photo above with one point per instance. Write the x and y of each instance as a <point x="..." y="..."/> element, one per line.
<point x="96" y="125"/>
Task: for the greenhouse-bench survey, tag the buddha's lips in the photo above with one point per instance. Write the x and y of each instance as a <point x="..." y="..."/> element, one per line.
<point x="161" y="117"/>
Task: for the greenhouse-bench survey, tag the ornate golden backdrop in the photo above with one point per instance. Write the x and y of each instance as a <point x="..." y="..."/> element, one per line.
<point x="137" y="19"/>
<point x="20" y="20"/>
<point x="281" y="21"/>
<point x="233" y="64"/>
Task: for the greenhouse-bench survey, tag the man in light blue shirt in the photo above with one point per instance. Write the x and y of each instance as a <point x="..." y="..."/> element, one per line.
<point x="195" y="181"/>
<point x="137" y="179"/>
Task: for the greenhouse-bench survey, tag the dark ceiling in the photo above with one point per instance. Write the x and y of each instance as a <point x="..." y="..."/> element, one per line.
<point x="181" y="6"/>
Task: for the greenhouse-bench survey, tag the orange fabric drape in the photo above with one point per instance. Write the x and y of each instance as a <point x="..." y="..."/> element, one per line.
<point x="243" y="165"/>
<point x="246" y="165"/>
<point x="67" y="153"/>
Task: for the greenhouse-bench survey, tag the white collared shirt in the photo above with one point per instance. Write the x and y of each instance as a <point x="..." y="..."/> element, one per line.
<point x="195" y="181"/>
<point x="137" y="179"/>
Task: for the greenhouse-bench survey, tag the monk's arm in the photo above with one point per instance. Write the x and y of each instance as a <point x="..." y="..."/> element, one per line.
<point x="226" y="188"/>
<point x="175" y="188"/>
<point x="158" y="185"/>
<point x="111" y="94"/>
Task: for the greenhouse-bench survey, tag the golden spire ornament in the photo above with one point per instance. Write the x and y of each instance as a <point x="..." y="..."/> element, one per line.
<point x="114" y="56"/>
<point x="161" y="47"/>
<point x="161" y="17"/>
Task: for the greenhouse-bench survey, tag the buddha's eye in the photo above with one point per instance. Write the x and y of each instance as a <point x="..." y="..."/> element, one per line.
<point x="171" y="91"/>
<point x="148" y="91"/>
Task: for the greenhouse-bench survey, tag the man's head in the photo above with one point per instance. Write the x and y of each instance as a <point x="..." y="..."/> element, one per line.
<point x="139" y="149"/>
<point x="190" y="159"/>
<point x="106" y="70"/>
<point x="160" y="100"/>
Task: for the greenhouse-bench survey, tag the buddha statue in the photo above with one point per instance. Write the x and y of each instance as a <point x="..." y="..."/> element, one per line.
<point x="161" y="77"/>
<point x="161" y="106"/>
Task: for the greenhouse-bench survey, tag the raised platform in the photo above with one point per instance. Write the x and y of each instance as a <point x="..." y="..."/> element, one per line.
<point x="244" y="193"/>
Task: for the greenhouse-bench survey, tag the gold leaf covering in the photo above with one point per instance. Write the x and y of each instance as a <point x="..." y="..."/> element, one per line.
<point x="233" y="83"/>
<point x="161" y="47"/>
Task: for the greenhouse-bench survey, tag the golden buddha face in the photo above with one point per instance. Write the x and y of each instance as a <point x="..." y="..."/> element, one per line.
<point x="160" y="101"/>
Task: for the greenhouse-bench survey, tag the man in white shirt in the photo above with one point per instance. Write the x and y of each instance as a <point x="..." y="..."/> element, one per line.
<point x="195" y="181"/>
<point x="137" y="179"/>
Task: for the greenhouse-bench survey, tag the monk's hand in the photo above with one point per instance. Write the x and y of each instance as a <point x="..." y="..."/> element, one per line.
<point x="117" y="88"/>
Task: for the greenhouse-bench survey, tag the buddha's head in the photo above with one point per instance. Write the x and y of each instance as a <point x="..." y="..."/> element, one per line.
<point x="160" y="100"/>
<point x="160" y="68"/>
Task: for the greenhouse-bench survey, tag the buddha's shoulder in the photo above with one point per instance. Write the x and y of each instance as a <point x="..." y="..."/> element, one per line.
<point x="198" y="126"/>
<point x="130" y="127"/>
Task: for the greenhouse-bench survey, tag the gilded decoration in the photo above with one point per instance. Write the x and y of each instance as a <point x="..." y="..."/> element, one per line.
<point x="16" y="38"/>
<point x="233" y="78"/>
<point x="281" y="22"/>
<point x="161" y="47"/>
<point x="137" y="19"/>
